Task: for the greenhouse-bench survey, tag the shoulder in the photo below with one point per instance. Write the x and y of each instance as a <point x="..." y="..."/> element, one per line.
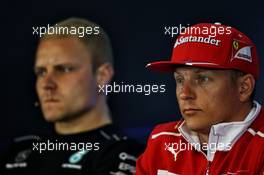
<point x="19" y="150"/>
<point x="117" y="152"/>
<point x="22" y="142"/>
<point x="160" y="138"/>
<point x="26" y="138"/>
<point x="110" y="133"/>
<point x="112" y="138"/>
<point x="167" y="129"/>
<point x="163" y="134"/>
<point x="257" y="127"/>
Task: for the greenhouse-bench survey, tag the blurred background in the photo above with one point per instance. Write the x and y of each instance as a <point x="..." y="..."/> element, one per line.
<point x="136" y="30"/>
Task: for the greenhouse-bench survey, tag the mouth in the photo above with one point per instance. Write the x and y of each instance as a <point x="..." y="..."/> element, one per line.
<point x="51" y="101"/>
<point x="191" y="111"/>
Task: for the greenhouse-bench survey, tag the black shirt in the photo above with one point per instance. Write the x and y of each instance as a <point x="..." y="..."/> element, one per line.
<point x="103" y="151"/>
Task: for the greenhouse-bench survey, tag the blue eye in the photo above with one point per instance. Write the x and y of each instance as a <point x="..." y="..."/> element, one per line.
<point x="64" y="69"/>
<point x="40" y="72"/>
<point x="179" y="80"/>
<point x="202" y="79"/>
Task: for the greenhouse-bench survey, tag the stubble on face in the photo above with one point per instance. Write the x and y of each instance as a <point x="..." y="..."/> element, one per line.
<point x="65" y="85"/>
<point x="208" y="97"/>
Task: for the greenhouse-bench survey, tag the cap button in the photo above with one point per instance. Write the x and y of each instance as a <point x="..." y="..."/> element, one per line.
<point x="217" y="23"/>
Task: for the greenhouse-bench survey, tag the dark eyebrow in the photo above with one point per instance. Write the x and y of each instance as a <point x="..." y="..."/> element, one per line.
<point x="196" y="70"/>
<point x="199" y="70"/>
<point x="64" y="64"/>
<point x="176" y="73"/>
<point x="38" y="68"/>
<point x="56" y="65"/>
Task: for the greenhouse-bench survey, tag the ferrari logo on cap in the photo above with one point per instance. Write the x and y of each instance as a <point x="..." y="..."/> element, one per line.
<point x="241" y="51"/>
<point x="235" y="45"/>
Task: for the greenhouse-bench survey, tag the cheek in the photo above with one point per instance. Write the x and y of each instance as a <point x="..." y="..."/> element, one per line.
<point x="213" y="99"/>
<point x="81" y="86"/>
<point x="219" y="101"/>
<point x="177" y="92"/>
<point x="38" y="87"/>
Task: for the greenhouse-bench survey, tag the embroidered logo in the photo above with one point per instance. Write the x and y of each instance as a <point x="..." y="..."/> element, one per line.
<point x="172" y="150"/>
<point x="76" y="157"/>
<point x="241" y="51"/>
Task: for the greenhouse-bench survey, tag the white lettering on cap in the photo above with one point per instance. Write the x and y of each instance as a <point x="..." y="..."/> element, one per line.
<point x="197" y="39"/>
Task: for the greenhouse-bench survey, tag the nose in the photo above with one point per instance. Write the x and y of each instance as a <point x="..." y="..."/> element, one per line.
<point x="49" y="83"/>
<point x="186" y="91"/>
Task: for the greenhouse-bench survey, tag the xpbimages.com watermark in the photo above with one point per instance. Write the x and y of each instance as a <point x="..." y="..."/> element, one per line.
<point x="146" y="89"/>
<point x="64" y="146"/>
<point x="196" y="30"/>
<point x="176" y="147"/>
<point x="80" y="31"/>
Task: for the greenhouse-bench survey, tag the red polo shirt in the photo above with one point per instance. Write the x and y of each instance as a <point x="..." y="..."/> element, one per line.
<point x="233" y="148"/>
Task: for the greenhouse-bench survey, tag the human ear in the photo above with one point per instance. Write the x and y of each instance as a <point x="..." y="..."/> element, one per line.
<point x="104" y="74"/>
<point x="246" y="85"/>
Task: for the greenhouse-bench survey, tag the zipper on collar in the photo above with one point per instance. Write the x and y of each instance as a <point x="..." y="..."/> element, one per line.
<point x="208" y="168"/>
<point x="205" y="156"/>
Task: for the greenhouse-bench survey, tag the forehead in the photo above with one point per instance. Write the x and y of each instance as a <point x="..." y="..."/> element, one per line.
<point x="189" y="69"/>
<point x="61" y="50"/>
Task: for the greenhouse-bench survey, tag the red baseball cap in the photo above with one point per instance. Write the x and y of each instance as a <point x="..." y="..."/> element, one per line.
<point x="216" y="46"/>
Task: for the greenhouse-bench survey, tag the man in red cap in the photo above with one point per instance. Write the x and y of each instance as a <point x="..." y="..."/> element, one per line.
<point x="222" y="129"/>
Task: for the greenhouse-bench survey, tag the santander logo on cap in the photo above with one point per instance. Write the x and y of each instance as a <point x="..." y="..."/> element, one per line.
<point x="200" y="39"/>
<point x="212" y="46"/>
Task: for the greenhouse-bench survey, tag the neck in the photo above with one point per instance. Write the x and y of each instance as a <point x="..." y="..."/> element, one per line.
<point x="203" y="137"/>
<point x="241" y="114"/>
<point x="94" y="118"/>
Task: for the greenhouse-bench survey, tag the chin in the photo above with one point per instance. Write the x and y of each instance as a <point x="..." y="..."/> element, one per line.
<point x="198" y="126"/>
<point x="193" y="128"/>
<point x="52" y="117"/>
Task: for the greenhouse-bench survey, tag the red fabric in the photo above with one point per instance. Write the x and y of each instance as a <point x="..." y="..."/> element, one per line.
<point x="223" y="48"/>
<point x="245" y="157"/>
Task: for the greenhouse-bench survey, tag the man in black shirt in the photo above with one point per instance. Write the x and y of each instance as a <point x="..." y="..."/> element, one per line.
<point x="73" y="59"/>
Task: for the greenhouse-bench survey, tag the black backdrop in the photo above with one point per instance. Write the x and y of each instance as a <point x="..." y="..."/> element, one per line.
<point x="136" y="30"/>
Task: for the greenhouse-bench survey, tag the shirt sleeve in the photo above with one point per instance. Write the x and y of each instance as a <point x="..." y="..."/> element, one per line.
<point x="141" y="167"/>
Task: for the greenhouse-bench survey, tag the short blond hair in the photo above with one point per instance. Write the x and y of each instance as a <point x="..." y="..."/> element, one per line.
<point x="98" y="44"/>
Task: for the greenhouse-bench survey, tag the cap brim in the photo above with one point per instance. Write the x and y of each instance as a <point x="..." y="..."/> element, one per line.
<point x="162" y="66"/>
<point x="169" y="66"/>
